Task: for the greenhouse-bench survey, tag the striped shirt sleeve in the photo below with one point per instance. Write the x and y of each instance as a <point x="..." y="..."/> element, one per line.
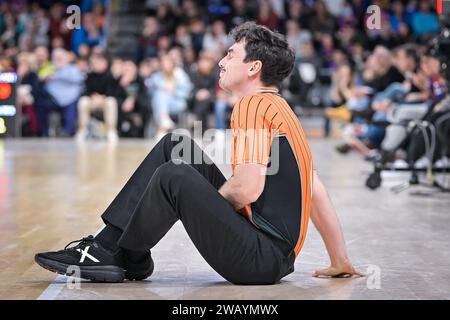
<point x="252" y="131"/>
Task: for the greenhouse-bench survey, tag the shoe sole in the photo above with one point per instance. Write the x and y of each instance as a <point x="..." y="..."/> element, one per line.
<point x="139" y="275"/>
<point x="100" y="274"/>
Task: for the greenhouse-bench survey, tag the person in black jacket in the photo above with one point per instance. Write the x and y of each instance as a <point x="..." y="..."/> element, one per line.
<point x="133" y="101"/>
<point x="98" y="95"/>
<point x="304" y="76"/>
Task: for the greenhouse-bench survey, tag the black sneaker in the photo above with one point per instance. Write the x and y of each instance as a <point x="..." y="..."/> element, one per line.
<point x="95" y="262"/>
<point x="138" y="269"/>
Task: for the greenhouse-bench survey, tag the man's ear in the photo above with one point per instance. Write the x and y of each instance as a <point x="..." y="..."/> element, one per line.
<point x="254" y="68"/>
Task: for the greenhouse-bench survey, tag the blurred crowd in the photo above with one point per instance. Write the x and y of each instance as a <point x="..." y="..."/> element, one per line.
<point x="70" y="86"/>
<point x="395" y="91"/>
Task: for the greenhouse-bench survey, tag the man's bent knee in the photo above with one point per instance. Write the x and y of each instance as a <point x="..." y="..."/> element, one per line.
<point x="173" y="169"/>
<point x="180" y="146"/>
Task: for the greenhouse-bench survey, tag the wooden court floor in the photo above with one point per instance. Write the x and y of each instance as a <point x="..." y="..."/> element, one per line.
<point x="53" y="191"/>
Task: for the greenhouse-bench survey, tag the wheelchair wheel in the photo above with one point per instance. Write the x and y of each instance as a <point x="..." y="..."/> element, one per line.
<point x="374" y="180"/>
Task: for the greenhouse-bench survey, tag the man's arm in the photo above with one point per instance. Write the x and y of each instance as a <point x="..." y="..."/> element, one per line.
<point x="327" y="223"/>
<point x="245" y="186"/>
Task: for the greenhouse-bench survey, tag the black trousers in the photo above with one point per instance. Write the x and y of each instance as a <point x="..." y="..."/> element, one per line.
<point x="164" y="190"/>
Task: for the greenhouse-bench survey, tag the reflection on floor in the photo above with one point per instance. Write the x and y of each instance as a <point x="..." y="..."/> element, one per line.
<point x="52" y="192"/>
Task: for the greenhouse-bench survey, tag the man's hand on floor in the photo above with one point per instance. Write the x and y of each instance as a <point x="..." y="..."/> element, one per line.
<point x="343" y="270"/>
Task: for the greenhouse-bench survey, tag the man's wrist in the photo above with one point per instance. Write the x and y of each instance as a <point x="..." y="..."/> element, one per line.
<point x="340" y="261"/>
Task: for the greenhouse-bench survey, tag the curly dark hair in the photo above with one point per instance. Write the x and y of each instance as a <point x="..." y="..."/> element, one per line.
<point x="270" y="47"/>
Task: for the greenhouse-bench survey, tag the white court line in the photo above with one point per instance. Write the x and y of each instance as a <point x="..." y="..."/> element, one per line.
<point x="58" y="284"/>
<point x="26" y="234"/>
<point x="54" y="289"/>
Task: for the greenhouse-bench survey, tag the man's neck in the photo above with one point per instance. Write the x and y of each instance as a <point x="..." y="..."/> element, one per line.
<point x="254" y="88"/>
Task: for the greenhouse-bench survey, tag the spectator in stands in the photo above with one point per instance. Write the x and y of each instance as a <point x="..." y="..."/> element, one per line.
<point x="424" y="22"/>
<point x="204" y="81"/>
<point x="164" y="44"/>
<point x="148" y="42"/>
<point x="133" y="101"/>
<point x="266" y="15"/>
<point x="197" y="30"/>
<point x="335" y="7"/>
<point x="83" y="64"/>
<point x="336" y="28"/>
<point x="345" y="94"/>
<point x="6" y="64"/>
<point x="189" y="56"/>
<point x="43" y="100"/>
<point x="168" y="20"/>
<point x="216" y="39"/>
<point x="342" y="85"/>
<point x="89" y="5"/>
<point x="57" y="42"/>
<point x="359" y="10"/>
<point x="297" y="37"/>
<point x="182" y="36"/>
<point x="321" y="20"/>
<point x="191" y="9"/>
<point x="84" y="51"/>
<point x="379" y="73"/>
<point x="222" y="110"/>
<point x="98" y="10"/>
<point x="34" y="34"/>
<point x="38" y="28"/>
<point x="148" y="67"/>
<point x="357" y="56"/>
<point x="44" y="66"/>
<point x="89" y="34"/>
<point x="326" y="51"/>
<point x="346" y="14"/>
<point x="413" y="99"/>
<point x="406" y="60"/>
<point x="10" y="36"/>
<point x="65" y="86"/>
<point x="27" y="85"/>
<point x="303" y="77"/>
<point x="240" y="13"/>
<point x="417" y="104"/>
<point x="297" y="12"/>
<point x="169" y="88"/>
<point x="116" y="68"/>
<point x="98" y="95"/>
<point x="58" y="26"/>
<point x="397" y="16"/>
<point x="347" y="34"/>
<point x="385" y="72"/>
<point x="176" y="55"/>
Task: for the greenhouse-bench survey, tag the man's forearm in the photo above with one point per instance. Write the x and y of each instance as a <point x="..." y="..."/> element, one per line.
<point x="327" y="223"/>
<point x="230" y="191"/>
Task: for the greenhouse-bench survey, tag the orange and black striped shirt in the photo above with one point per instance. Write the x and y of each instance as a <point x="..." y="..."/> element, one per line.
<point x="257" y="121"/>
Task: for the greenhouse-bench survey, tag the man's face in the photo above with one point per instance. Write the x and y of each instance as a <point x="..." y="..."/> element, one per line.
<point x="59" y="59"/>
<point x="167" y="64"/>
<point x="41" y="54"/>
<point x="129" y="68"/>
<point x="403" y="62"/>
<point x="99" y="64"/>
<point x="233" y="69"/>
<point x="206" y="65"/>
<point x="430" y="66"/>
